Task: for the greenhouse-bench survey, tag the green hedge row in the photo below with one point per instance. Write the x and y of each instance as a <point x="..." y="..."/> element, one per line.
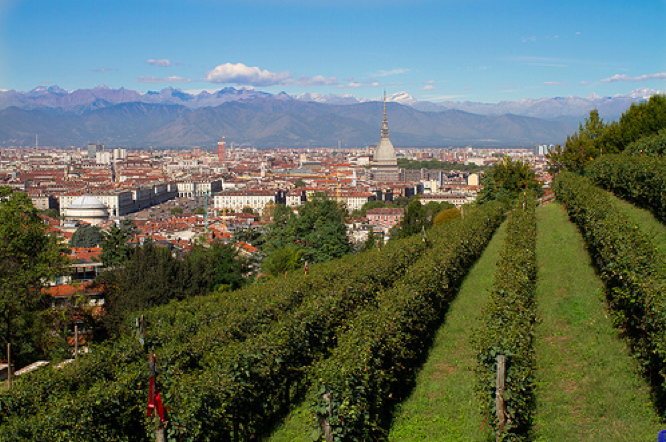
<point x="248" y="385"/>
<point x="111" y="381"/>
<point x="653" y="145"/>
<point x="356" y="387"/>
<point x="507" y="328"/>
<point x="634" y="272"/>
<point x="639" y="179"/>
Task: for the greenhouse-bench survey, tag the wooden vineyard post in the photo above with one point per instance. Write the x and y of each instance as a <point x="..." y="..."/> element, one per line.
<point x="499" y="400"/>
<point x="326" y="422"/>
<point x="9" y="366"/>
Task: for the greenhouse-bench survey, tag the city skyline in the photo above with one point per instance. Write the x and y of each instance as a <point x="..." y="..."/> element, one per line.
<point x="434" y="50"/>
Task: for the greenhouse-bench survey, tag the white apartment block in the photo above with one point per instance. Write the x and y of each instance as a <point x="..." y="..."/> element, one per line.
<point x="255" y="199"/>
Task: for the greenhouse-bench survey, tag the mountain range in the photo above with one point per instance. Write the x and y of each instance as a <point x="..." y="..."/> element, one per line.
<point x="173" y="118"/>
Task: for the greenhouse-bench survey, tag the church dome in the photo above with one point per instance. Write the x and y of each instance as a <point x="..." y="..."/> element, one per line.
<point x="86" y="202"/>
<point x="87" y="208"/>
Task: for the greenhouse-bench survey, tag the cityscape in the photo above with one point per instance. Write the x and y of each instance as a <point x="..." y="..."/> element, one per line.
<point x="351" y="221"/>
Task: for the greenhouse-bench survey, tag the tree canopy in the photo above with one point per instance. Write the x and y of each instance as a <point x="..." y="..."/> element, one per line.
<point x="29" y="257"/>
<point x="506" y="179"/>
<point x="595" y="138"/>
<point x="318" y="230"/>
<point x="87" y="236"/>
<point x="153" y="276"/>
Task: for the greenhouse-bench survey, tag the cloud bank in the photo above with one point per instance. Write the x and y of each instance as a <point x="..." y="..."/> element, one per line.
<point x="163" y="62"/>
<point x="625" y="78"/>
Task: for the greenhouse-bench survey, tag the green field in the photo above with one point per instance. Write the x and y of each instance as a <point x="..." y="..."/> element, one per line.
<point x="442" y="406"/>
<point x="588" y="385"/>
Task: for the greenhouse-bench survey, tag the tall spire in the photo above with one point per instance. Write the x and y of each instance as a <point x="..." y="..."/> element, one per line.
<point x="385" y="129"/>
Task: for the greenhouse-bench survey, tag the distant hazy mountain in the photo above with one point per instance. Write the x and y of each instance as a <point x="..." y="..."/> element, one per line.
<point x="57" y="99"/>
<point x="263" y="121"/>
<point x="567" y="109"/>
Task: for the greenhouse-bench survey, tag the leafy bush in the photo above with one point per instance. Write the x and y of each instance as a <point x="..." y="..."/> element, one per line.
<point x="653" y="145"/>
<point x="507" y="329"/>
<point x="640" y="180"/>
<point x="102" y="398"/>
<point x="446" y="216"/>
<point x="634" y="272"/>
<point x="381" y="348"/>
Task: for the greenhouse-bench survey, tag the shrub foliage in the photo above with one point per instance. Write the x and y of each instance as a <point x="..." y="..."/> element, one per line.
<point x="507" y="329"/>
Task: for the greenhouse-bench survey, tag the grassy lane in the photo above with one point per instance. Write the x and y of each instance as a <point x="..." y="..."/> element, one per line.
<point x="588" y="388"/>
<point x="442" y="406"/>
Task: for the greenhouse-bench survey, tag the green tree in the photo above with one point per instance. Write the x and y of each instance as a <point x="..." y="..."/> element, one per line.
<point x="199" y="211"/>
<point x="249" y="210"/>
<point x="130" y="228"/>
<point x="87" y="236"/>
<point x="376" y="204"/>
<point x="371" y="242"/>
<point x="176" y="210"/>
<point x="595" y="138"/>
<point x="29" y="257"/>
<point x="153" y="276"/>
<point x="581" y="147"/>
<point x="52" y="213"/>
<point x="414" y="220"/>
<point x="446" y="216"/>
<point x="283" y="259"/>
<point x="115" y="250"/>
<point x="401" y="201"/>
<point x="217" y="268"/>
<point x="506" y="179"/>
<point x="299" y="183"/>
<point x="250" y="236"/>
<point x="318" y="231"/>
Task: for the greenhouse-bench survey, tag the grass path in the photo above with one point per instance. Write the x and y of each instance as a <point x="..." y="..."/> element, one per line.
<point x="442" y="406"/>
<point x="588" y="386"/>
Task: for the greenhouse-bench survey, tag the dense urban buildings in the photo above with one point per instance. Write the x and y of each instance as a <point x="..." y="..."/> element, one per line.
<point x="231" y="188"/>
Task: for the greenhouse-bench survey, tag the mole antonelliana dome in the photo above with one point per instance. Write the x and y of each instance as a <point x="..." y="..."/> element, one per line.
<point x="87" y="208"/>
<point x="384" y="161"/>
<point x="384" y="153"/>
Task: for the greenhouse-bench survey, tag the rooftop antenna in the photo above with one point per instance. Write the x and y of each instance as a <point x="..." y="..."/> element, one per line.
<point x="36" y="141"/>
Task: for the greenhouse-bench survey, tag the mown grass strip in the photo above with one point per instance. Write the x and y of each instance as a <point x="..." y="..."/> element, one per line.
<point x="588" y="386"/>
<point x="506" y="330"/>
<point x="442" y="406"/>
<point x="373" y="367"/>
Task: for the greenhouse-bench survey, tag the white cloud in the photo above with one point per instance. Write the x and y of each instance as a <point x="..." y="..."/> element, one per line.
<point x="554" y="83"/>
<point x="509" y="87"/>
<point x="625" y="78"/>
<point x="391" y="72"/>
<point x="172" y="79"/>
<point x="243" y="75"/>
<point x="100" y="70"/>
<point x="428" y="87"/>
<point x="429" y="82"/>
<point x="163" y="62"/>
<point x="531" y="39"/>
<point x="445" y="97"/>
<point x="247" y="75"/>
<point x="357" y="85"/>
<point x="317" y="80"/>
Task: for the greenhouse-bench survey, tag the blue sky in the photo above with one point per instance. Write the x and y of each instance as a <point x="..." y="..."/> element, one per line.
<point x="472" y="50"/>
